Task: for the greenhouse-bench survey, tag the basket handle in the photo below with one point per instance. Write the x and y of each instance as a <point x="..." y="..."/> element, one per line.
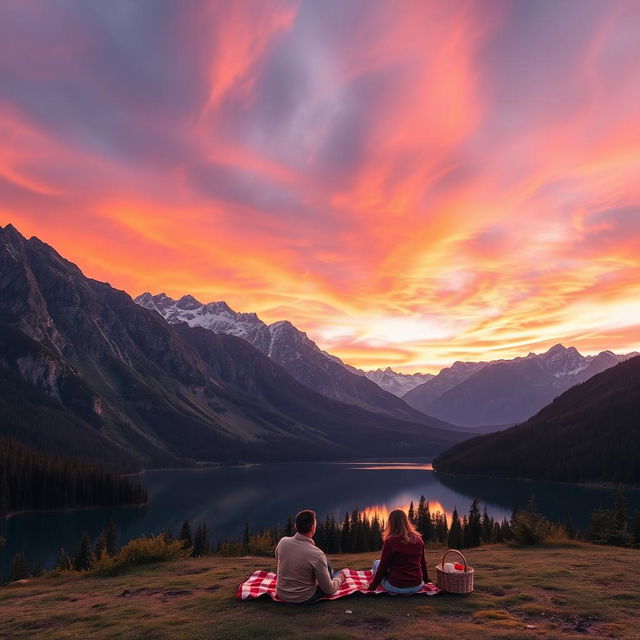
<point x="454" y="551"/>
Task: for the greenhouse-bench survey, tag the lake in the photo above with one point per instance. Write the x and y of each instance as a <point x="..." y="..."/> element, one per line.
<point x="264" y="495"/>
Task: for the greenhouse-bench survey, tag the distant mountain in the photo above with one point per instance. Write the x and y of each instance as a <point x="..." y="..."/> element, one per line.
<point x="590" y="433"/>
<point x="506" y="391"/>
<point x="88" y="373"/>
<point x="397" y="383"/>
<point x="291" y="348"/>
<point x="446" y="379"/>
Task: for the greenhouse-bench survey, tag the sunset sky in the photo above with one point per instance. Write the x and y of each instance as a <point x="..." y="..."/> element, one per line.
<point x="409" y="182"/>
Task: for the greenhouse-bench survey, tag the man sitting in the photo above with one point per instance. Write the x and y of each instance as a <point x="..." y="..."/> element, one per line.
<point x="304" y="575"/>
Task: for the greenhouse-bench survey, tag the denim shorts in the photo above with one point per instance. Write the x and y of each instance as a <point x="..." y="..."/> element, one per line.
<point x="387" y="586"/>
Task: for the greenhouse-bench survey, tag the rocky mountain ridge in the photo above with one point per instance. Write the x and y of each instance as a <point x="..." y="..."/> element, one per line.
<point x="292" y="349"/>
<point x="396" y="382"/>
<point x="506" y="391"/>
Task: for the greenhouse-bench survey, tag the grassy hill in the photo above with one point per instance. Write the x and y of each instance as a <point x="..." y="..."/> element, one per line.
<point x="569" y="592"/>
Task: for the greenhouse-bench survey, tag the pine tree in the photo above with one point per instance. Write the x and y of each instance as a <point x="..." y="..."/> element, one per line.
<point x="411" y="513"/>
<point x="333" y="538"/>
<point x="201" y="544"/>
<point x="465" y="532"/>
<point x="505" y="530"/>
<point x="569" y="528"/>
<point x="38" y="569"/>
<point x="375" y="539"/>
<point x="320" y="536"/>
<point x="421" y="517"/>
<point x="110" y="534"/>
<point x="486" y="526"/>
<point x="428" y="533"/>
<point x="366" y="533"/>
<point x="441" y="528"/>
<point x="99" y="546"/>
<point x="83" y="557"/>
<point x="357" y="533"/>
<point x="288" y="530"/>
<point x="345" y="535"/>
<point x="454" y="540"/>
<point x="611" y="526"/>
<point x="474" y="525"/>
<point x="185" y="535"/>
<point x="529" y="527"/>
<point x="18" y="569"/>
<point x="623" y="535"/>
<point x="63" y="563"/>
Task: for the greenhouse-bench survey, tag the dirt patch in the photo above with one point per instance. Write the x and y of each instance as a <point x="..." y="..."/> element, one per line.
<point x="138" y="593"/>
<point x="177" y="593"/>
<point x="193" y="572"/>
<point x="377" y="622"/>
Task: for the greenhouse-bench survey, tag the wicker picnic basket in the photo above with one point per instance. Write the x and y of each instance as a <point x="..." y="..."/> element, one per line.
<point x="458" y="582"/>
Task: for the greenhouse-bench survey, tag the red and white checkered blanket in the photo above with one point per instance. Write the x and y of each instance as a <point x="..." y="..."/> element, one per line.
<point x="261" y="583"/>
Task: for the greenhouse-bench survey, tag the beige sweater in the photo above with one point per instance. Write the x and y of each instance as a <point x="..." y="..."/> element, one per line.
<point x="302" y="567"/>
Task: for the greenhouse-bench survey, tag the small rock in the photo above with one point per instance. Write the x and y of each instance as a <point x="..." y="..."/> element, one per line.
<point x="531" y="626"/>
<point x="348" y="611"/>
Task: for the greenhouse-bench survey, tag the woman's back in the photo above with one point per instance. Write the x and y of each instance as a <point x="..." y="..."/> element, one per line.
<point x="402" y="562"/>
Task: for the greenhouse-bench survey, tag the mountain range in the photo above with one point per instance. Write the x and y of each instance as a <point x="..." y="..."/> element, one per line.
<point x="505" y="392"/>
<point x="395" y="382"/>
<point x="290" y="348"/>
<point x="477" y="396"/>
<point x="87" y="372"/>
<point x="590" y="433"/>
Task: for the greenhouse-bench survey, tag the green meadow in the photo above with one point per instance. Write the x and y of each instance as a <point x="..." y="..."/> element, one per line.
<point x="570" y="591"/>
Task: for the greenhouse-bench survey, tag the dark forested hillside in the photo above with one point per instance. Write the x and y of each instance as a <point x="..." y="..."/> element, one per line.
<point x="32" y="480"/>
<point x="591" y="433"/>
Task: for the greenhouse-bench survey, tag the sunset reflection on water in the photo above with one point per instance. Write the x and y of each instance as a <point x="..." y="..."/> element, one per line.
<point x="383" y="510"/>
<point x="396" y="465"/>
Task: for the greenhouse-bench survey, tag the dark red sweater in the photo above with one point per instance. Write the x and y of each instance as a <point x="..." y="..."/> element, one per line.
<point x="402" y="563"/>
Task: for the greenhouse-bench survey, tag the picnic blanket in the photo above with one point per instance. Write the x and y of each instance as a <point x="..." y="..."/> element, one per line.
<point x="261" y="583"/>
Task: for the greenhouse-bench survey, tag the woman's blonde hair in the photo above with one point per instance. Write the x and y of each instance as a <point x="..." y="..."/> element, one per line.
<point x="398" y="524"/>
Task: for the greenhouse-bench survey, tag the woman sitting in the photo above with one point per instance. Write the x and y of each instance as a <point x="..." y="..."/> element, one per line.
<point x="402" y="567"/>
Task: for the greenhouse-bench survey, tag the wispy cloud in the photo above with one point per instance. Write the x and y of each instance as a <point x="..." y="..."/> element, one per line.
<point x="410" y="182"/>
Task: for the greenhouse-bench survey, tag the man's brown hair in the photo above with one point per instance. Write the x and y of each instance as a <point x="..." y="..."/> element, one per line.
<point x="305" y="520"/>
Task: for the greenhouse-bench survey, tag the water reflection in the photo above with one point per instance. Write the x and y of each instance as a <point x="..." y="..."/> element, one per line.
<point x="265" y="495"/>
<point x="382" y="510"/>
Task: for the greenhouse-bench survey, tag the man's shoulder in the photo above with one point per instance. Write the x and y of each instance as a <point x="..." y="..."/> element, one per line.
<point x="306" y="547"/>
<point x="284" y="541"/>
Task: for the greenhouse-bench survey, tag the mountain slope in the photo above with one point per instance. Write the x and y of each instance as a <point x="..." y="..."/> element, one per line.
<point x="266" y="380"/>
<point x="506" y="391"/>
<point x="426" y="393"/>
<point x="122" y="384"/>
<point x="291" y="348"/>
<point x="591" y="433"/>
